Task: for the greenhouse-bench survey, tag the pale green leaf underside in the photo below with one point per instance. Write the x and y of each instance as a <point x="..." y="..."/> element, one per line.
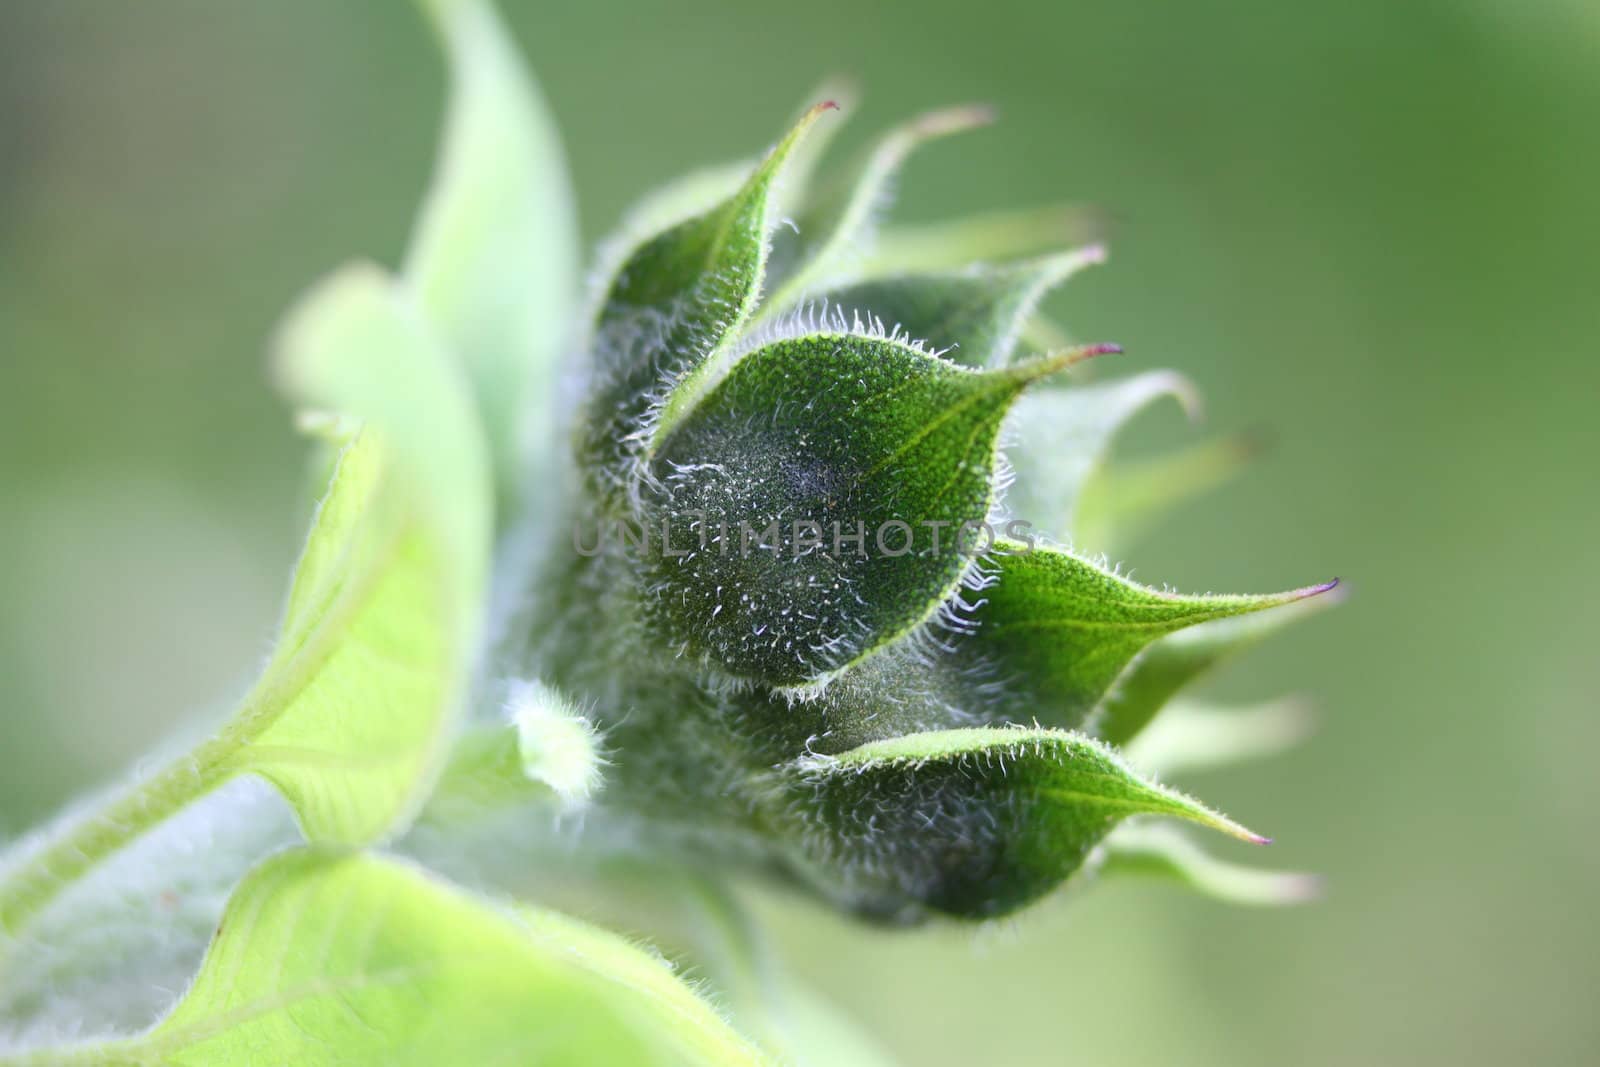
<point x="1119" y="500"/>
<point x="1154" y="850"/>
<point x="911" y="248"/>
<point x="494" y="256"/>
<point x="351" y="715"/>
<point x="1062" y="438"/>
<point x="341" y="959"/>
<point x="1190" y="735"/>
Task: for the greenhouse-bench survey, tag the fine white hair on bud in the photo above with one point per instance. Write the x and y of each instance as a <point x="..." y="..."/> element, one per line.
<point x="556" y="742"/>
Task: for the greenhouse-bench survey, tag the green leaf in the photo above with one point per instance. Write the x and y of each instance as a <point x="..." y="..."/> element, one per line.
<point x="806" y="432"/>
<point x="977" y="314"/>
<point x="991" y="238"/>
<point x="1119" y="500"/>
<point x="703" y="189"/>
<point x="836" y="224"/>
<point x="669" y="316"/>
<point x="350" y="717"/>
<point x="1063" y="437"/>
<point x="1154" y="850"/>
<point x="1053" y="632"/>
<point x="1179" y="659"/>
<point x="1045" y="641"/>
<point x="969" y="823"/>
<point x="328" y="959"/>
<point x="1190" y="736"/>
<point x="494" y="257"/>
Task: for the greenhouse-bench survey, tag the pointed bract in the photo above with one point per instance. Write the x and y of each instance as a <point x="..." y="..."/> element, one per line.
<point x="668" y="316"/>
<point x="810" y="505"/>
<point x="969" y="823"/>
<point x="1179" y="659"/>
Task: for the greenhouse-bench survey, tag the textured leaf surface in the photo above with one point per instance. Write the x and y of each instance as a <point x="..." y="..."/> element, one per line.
<point x="350" y="716"/>
<point x="671" y="309"/>
<point x="829" y="429"/>
<point x="1054" y="632"/>
<point x="1153" y="850"/>
<point x="970" y="823"/>
<point x="323" y="959"/>
<point x="494" y="257"/>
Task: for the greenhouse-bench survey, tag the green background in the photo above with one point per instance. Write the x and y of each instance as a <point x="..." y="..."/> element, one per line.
<point x="1370" y="227"/>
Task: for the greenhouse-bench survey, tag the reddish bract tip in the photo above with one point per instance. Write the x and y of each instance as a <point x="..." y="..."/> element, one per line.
<point x="1315" y="590"/>
<point x="827" y="105"/>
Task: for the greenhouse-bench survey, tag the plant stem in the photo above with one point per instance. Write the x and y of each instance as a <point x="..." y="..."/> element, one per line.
<point x="80" y="841"/>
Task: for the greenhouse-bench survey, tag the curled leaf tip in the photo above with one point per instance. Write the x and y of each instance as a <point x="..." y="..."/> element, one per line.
<point x="1309" y="591"/>
<point x="1042" y="367"/>
<point x="952" y="120"/>
<point x="799" y="130"/>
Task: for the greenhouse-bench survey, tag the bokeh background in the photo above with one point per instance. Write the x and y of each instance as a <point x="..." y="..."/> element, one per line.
<point x="1370" y="226"/>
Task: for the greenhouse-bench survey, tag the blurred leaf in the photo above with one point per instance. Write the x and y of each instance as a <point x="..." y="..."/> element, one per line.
<point x="969" y="823"/>
<point x="1190" y="736"/>
<point x="1063" y="436"/>
<point x="802" y="1027"/>
<point x="836" y="223"/>
<point x="1175" y="661"/>
<point x="992" y="238"/>
<point x="327" y="959"/>
<point x="1119" y="500"/>
<point x="977" y="313"/>
<point x="1154" y="850"/>
<point x="807" y="433"/>
<point x="806" y="157"/>
<point x="668" y="314"/>
<point x="1053" y="632"/>
<point x="350" y="716"/>
<point x="494" y="258"/>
